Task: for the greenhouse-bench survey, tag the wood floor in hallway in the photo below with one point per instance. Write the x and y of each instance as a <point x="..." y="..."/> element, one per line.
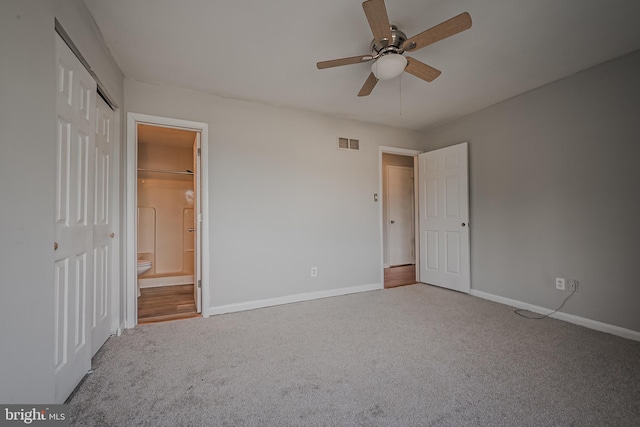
<point x="166" y="303"/>
<point x="399" y="276"/>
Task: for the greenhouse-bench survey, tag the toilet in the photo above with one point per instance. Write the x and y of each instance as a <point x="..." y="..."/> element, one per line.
<point x="143" y="266"/>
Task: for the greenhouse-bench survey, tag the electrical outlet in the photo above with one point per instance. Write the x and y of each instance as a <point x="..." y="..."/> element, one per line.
<point x="314" y="271"/>
<point x="573" y="285"/>
<point x="560" y="283"/>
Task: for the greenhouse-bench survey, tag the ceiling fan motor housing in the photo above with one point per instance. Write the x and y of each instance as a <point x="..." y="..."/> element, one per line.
<point x="392" y="46"/>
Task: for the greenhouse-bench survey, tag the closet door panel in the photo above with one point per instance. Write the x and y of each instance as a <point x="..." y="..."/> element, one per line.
<point x="73" y="212"/>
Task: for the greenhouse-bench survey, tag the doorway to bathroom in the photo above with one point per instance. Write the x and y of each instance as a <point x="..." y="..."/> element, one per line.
<point x="166" y="228"/>
<point x="166" y="205"/>
<point x="398" y="216"/>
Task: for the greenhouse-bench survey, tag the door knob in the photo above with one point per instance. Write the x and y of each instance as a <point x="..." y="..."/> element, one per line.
<point x="463" y="224"/>
<point x="191" y="229"/>
<point x="393" y="222"/>
<point x="112" y="235"/>
<point x="55" y="246"/>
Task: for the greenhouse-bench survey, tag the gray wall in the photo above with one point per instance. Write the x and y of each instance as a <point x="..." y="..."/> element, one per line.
<point x="282" y="197"/>
<point x="555" y="192"/>
<point x="27" y="129"/>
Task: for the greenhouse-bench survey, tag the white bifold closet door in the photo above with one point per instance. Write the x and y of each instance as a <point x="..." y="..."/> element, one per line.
<point x="103" y="233"/>
<point x="74" y="220"/>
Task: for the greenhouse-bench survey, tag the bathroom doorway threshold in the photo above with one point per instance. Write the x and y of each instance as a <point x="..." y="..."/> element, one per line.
<point x="162" y="304"/>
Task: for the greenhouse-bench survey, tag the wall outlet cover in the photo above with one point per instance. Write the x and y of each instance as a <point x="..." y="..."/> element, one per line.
<point x="560" y="284"/>
<point x="573" y="285"/>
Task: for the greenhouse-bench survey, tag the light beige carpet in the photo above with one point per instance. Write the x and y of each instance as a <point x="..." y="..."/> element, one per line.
<point x="409" y="356"/>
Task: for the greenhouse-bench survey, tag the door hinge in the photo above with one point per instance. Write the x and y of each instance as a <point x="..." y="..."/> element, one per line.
<point x="199" y="152"/>
<point x="199" y="283"/>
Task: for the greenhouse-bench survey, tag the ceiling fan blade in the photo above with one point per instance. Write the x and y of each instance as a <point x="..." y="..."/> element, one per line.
<point x="343" y="61"/>
<point x="368" y="85"/>
<point x="441" y="31"/>
<point x="421" y="70"/>
<point x="378" y="19"/>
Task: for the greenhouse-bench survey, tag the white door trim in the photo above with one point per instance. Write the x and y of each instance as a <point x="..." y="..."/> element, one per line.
<point x="117" y="273"/>
<point x="404" y="152"/>
<point x="197" y="221"/>
<point x="133" y="119"/>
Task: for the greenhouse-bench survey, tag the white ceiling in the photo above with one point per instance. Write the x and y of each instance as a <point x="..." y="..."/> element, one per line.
<point x="266" y="51"/>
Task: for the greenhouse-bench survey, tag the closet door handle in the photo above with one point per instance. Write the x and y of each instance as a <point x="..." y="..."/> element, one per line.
<point x="191" y="229"/>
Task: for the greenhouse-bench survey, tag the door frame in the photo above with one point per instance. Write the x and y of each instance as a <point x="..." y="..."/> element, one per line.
<point x="117" y="272"/>
<point x="130" y="252"/>
<point x="403" y="152"/>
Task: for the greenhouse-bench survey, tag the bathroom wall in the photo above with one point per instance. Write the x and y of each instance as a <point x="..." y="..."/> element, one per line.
<point x="165" y="209"/>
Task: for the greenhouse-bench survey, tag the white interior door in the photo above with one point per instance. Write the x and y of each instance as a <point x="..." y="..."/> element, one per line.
<point x="197" y="256"/>
<point x="103" y="232"/>
<point x="444" y="217"/>
<point x="400" y="212"/>
<point x="73" y="216"/>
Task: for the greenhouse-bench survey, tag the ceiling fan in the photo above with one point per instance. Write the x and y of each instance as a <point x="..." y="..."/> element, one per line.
<point x="389" y="44"/>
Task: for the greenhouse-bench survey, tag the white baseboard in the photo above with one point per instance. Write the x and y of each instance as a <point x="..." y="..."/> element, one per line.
<point x="155" y="282"/>
<point x="250" y="305"/>
<point x="121" y="328"/>
<point x="582" y="321"/>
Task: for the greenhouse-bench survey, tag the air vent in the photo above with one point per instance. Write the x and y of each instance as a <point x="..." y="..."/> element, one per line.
<point x="348" y="144"/>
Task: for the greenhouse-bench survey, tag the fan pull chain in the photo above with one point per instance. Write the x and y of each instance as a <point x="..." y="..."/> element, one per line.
<point x="400" y="83"/>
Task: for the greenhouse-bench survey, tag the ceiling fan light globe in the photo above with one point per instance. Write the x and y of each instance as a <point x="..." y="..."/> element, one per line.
<point x="389" y="66"/>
